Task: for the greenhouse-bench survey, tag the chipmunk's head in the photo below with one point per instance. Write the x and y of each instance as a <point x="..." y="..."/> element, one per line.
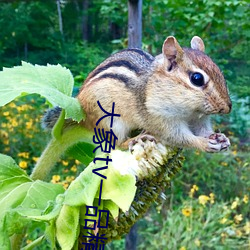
<point x="197" y="74"/>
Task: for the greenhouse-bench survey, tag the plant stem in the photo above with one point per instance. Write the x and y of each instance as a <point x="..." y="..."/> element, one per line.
<point x="56" y="147"/>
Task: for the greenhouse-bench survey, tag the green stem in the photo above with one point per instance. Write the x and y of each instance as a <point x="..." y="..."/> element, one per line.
<point x="58" y="146"/>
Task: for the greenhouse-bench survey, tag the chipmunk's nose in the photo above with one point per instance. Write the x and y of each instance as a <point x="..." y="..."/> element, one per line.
<point x="227" y="108"/>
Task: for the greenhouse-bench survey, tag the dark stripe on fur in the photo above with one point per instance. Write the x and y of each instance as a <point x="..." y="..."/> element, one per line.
<point x="142" y="53"/>
<point x="119" y="63"/>
<point x="118" y="77"/>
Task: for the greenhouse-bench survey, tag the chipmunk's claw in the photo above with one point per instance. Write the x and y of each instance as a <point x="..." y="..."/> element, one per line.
<point x="218" y="142"/>
<point x="141" y="139"/>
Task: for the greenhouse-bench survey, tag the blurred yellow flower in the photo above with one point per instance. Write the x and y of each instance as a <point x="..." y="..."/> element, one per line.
<point x="247" y="227"/>
<point x="6" y="113"/>
<point x="183" y="248"/>
<point x="65" y="185"/>
<point x="245" y="199"/>
<point x="24" y="154"/>
<point x="23" y="164"/>
<point x="77" y="162"/>
<point x="193" y="190"/>
<point x="4" y="134"/>
<point x="70" y="178"/>
<point x="197" y="242"/>
<point x="234" y="152"/>
<point x="28" y="241"/>
<point x="29" y="124"/>
<point x="14" y="123"/>
<point x="238" y="218"/>
<point x="203" y="199"/>
<point x="223" y="235"/>
<point x="225" y="164"/>
<point x="235" y="203"/>
<point x="238" y="233"/>
<point x="223" y="220"/>
<point x="12" y="105"/>
<point x="65" y="163"/>
<point x="211" y="195"/>
<point x="73" y="168"/>
<point x="55" y="178"/>
<point x="187" y="211"/>
<point x="35" y="159"/>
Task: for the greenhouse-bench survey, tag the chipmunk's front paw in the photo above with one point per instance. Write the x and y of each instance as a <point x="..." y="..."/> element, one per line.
<point x="218" y="142"/>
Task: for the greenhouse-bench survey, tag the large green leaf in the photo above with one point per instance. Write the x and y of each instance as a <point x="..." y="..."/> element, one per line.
<point x="9" y="168"/>
<point x="53" y="82"/>
<point x="119" y="188"/>
<point x="21" y="197"/>
<point x="67" y="226"/>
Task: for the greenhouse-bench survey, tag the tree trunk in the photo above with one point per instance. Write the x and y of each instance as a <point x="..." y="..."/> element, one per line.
<point x="135" y="23"/>
<point x="85" y="23"/>
<point x="131" y="238"/>
<point x="59" y="16"/>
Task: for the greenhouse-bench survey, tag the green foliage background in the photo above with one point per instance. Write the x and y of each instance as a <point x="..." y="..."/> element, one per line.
<point x="30" y="32"/>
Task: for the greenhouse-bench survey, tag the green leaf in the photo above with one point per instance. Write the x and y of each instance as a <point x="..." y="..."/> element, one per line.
<point x="119" y="188"/>
<point x="6" y="186"/>
<point x="53" y="82"/>
<point x="82" y="190"/>
<point x="67" y="226"/>
<point x="9" y="168"/>
<point x="112" y="207"/>
<point x="39" y="194"/>
<point x="82" y="151"/>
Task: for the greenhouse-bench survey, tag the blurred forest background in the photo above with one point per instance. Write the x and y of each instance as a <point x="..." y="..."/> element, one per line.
<point x="207" y="206"/>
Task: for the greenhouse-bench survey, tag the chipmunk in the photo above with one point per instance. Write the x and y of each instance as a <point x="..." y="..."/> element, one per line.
<point x="169" y="97"/>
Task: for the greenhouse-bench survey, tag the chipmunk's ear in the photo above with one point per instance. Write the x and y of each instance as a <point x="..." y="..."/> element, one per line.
<point x="197" y="43"/>
<point x="171" y="49"/>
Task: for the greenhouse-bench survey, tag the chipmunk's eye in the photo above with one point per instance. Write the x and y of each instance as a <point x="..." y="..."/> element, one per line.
<point x="197" y="79"/>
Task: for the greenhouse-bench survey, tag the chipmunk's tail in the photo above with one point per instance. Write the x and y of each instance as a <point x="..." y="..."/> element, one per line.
<point x="50" y="117"/>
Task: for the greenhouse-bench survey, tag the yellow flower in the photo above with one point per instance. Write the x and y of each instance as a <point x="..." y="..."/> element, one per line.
<point x="24" y="154"/>
<point x="247" y="227"/>
<point x="238" y="233"/>
<point x="6" y="113"/>
<point x="238" y="218"/>
<point x="235" y="203"/>
<point x="65" y="185"/>
<point x="14" y="123"/>
<point x="224" y="164"/>
<point x="193" y="190"/>
<point x="183" y="248"/>
<point x="35" y="159"/>
<point x="211" y="195"/>
<point x="203" y="199"/>
<point x="4" y="134"/>
<point x="55" y="178"/>
<point x="223" y="235"/>
<point x="70" y="178"/>
<point x="73" y="168"/>
<point x="23" y="164"/>
<point x="187" y="211"/>
<point x="65" y="163"/>
<point x="77" y="162"/>
<point x="245" y="199"/>
<point x="234" y="152"/>
<point x="223" y="220"/>
<point x="29" y="124"/>
<point x="12" y="105"/>
<point x="197" y="242"/>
